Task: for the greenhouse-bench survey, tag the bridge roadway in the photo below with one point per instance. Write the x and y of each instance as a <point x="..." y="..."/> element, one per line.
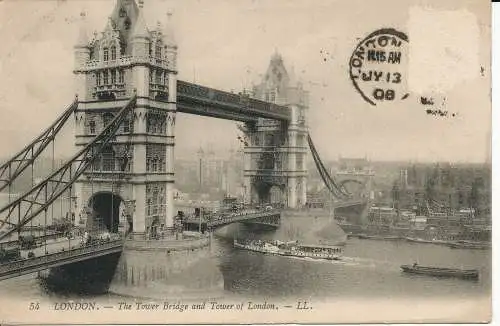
<point x="269" y="217"/>
<point x="57" y="257"/>
<point x="209" y="102"/>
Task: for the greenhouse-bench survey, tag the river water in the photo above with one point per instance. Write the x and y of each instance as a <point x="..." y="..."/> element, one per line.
<point x="369" y="269"/>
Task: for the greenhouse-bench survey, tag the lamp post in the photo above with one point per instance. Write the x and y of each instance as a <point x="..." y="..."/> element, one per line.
<point x="129" y="210"/>
<point x="200" y="158"/>
<point x="201" y="215"/>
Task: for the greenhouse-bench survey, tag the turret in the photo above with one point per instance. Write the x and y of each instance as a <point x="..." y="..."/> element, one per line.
<point x="141" y="41"/>
<point x="170" y="42"/>
<point x="140" y="37"/>
<point x="82" y="48"/>
<point x="82" y="56"/>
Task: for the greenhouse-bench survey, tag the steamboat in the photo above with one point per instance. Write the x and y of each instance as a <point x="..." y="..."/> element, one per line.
<point x="291" y="249"/>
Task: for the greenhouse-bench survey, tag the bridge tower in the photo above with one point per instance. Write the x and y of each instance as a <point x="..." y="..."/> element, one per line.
<point x="275" y="153"/>
<point x="132" y="182"/>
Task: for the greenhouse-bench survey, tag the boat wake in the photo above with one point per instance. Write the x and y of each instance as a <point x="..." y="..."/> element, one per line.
<point x="318" y="261"/>
<point x="350" y="261"/>
<point x="369" y="263"/>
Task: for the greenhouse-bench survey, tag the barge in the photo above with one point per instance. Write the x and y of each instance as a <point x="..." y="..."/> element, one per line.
<point x="471" y="274"/>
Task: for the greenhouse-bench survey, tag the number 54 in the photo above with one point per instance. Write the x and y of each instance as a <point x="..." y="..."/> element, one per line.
<point x="34" y="306"/>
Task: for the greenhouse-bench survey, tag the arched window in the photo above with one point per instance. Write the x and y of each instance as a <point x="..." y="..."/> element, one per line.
<point x="267" y="161"/>
<point x="272" y="96"/>
<point x="158" y="51"/>
<point x="158" y="77"/>
<point x="157" y="125"/>
<point x="155" y="201"/>
<point x="92" y="127"/>
<point x="105" y="77"/>
<point x="113" y="52"/>
<point x="149" y="206"/>
<point x="268" y="140"/>
<point x="126" y="126"/>
<point x="96" y="165"/>
<point x="113" y="76"/>
<point x="121" y="78"/>
<point x="108" y="159"/>
<point x="106" y="54"/>
<point x="128" y="165"/>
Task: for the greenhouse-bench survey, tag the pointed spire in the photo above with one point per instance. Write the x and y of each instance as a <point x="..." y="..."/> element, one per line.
<point x="276" y="56"/>
<point x="169" y="37"/>
<point x="83" y="37"/>
<point x="140" y="28"/>
<point x="110" y="26"/>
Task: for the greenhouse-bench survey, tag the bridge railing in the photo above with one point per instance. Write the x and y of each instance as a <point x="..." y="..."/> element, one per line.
<point x="173" y="245"/>
<point x="41" y="260"/>
<point x="44" y="237"/>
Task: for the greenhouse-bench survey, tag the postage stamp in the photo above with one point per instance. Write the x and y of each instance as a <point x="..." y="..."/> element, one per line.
<point x="228" y="162"/>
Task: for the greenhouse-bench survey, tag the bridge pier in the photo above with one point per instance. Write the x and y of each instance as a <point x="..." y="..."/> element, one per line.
<point x="92" y="276"/>
<point x="158" y="269"/>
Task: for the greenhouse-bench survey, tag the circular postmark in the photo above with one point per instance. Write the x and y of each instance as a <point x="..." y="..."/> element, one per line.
<point x="377" y="66"/>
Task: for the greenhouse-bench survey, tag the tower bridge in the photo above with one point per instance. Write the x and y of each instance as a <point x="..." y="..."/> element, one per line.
<point x="122" y="176"/>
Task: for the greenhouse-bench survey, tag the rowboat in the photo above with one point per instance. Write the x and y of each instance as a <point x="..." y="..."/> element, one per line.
<point x="441" y="271"/>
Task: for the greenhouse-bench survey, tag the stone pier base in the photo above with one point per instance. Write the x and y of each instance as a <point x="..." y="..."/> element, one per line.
<point x="162" y="269"/>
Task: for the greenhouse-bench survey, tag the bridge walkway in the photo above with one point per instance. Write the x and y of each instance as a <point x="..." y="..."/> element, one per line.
<point x="36" y="264"/>
<point x="269" y="217"/>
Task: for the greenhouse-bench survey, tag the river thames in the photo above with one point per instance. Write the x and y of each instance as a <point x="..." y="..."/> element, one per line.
<point x="369" y="268"/>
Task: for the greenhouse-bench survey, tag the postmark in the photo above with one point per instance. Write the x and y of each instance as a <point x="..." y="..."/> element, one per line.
<point x="377" y="66"/>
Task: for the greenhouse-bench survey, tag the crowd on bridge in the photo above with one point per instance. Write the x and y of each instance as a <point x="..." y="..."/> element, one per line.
<point x="228" y="216"/>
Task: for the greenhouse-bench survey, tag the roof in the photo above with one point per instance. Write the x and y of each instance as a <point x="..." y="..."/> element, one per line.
<point x="83" y="37"/>
<point x="140" y="29"/>
<point x="168" y="34"/>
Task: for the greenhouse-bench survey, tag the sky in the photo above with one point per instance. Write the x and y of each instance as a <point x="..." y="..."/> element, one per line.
<point x="228" y="45"/>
